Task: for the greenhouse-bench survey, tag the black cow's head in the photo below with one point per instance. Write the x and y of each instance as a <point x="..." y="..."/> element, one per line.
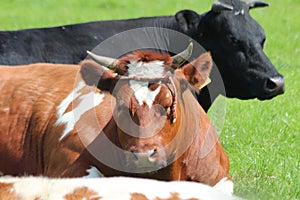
<point x="236" y="41"/>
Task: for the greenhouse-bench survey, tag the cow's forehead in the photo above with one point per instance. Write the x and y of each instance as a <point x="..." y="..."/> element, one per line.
<point x="151" y="69"/>
<point x="140" y="89"/>
<point x="238" y="24"/>
<point x="145" y="57"/>
<point x="146" y="66"/>
<point x="143" y="94"/>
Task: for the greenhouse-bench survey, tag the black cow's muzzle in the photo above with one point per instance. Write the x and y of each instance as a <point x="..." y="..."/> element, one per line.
<point x="272" y="87"/>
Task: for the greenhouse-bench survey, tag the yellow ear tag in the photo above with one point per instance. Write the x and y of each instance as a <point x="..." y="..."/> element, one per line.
<point x="205" y="83"/>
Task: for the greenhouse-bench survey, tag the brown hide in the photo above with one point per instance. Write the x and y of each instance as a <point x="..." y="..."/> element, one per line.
<point x="191" y="140"/>
<point x="31" y="142"/>
<point x="28" y="101"/>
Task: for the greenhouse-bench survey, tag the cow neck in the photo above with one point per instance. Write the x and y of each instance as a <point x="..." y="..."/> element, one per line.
<point x="203" y="147"/>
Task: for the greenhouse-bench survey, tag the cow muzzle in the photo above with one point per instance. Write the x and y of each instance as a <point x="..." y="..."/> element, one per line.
<point x="273" y="86"/>
<point x="146" y="161"/>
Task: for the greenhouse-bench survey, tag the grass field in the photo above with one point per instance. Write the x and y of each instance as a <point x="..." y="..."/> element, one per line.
<point x="262" y="138"/>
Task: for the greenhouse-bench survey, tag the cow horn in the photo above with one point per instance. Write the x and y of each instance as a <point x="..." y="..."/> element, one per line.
<point x="217" y="7"/>
<point x="257" y="4"/>
<point x="180" y="58"/>
<point x="102" y="60"/>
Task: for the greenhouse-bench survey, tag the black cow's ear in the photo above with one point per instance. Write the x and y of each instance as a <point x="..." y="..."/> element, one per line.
<point x="187" y="20"/>
<point x="95" y="74"/>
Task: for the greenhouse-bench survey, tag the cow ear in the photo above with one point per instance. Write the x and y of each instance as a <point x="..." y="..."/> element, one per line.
<point x="187" y="20"/>
<point x="95" y="74"/>
<point x="197" y="72"/>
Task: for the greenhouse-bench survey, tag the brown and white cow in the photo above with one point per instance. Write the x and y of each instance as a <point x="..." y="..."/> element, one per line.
<point x="139" y="120"/>
<point x="120" y="188"/>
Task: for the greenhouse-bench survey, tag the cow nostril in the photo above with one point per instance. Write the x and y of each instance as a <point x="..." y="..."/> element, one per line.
<point x="152" y="152"/>
<point x="271" y="84"/>
<point x="135" y="154"/>
<point x="152" y="155"/>
<point x="275" y="83"/>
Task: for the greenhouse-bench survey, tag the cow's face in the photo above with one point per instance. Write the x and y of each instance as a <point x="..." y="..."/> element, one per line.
<point x="236" y="41"/>
<point x="147" y="125"/>
<point x="148" y="108"/>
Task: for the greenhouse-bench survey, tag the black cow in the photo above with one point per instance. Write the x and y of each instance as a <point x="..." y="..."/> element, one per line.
<point x="234" y="39"/>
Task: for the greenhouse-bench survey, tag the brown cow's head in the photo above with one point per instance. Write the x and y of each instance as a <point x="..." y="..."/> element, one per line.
<point x="148" y="89"/>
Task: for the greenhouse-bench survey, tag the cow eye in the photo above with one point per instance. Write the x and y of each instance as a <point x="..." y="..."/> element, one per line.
<point x="162" y="110"/>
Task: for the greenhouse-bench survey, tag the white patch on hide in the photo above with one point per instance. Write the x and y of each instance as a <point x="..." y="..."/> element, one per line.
<point x="87" y="102"/>
<point x="225" y="185"/>
<point x="57" y="188"/>
<point x="66" y="102"/>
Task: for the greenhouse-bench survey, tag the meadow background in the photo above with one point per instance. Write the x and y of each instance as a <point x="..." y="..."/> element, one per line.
<point x="262" y="138"/>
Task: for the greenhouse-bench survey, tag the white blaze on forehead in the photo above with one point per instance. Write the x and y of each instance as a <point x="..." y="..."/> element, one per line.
<point x="86" y="102"/>
<point x="140" y="88"/>
<point x="147" y="70"/>
<point x="142" y="93"/>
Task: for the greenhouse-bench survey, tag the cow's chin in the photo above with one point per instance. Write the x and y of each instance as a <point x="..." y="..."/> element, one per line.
<point x="141" y="168"/>
<point x="146" y="166"/>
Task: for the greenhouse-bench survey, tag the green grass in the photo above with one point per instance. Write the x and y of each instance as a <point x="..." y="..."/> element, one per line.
<point x="17" y="14"/>
<point x="262" y="138"/>
<point x="262" y="141"/>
